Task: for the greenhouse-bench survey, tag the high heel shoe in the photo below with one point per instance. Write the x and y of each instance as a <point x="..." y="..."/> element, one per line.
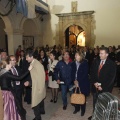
<point x="55" y="99"/>
<point x="51" y="100"/>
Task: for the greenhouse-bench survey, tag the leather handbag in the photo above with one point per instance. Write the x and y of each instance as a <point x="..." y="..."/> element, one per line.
<point x="50" y="73"/>
<point x="78" y="98"/>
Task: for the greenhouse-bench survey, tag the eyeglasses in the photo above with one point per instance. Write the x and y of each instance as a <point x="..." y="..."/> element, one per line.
<point x="12" y="60"/>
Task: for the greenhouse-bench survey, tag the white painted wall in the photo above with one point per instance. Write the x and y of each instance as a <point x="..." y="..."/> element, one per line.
<point x="107" y="17"/>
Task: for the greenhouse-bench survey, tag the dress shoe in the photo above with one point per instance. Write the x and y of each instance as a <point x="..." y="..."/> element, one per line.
<point x="64" y="107"/>
<point x="51" y="100"/>
<point x="37" y="119"/>
<point x="43" y="112"/>
<point x="76" y="111"/>
<point x="82" y="113"/>
<point x="90" y="118"/>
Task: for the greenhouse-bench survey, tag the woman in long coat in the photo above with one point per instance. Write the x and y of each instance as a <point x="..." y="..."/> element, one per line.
<point x="80" y="78"/>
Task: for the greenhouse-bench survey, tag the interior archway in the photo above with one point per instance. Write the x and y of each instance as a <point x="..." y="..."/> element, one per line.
<point x="74" y="35"/>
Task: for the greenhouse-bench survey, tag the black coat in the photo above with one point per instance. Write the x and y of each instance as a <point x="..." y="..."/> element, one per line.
<point x="24" y="65"/>
<point x="7" y="78"/>
<point x="106" y="76"/>
<point x="82" y="76"/>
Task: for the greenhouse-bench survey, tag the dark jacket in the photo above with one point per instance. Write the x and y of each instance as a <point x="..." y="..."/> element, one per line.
<point x="106" y="76"/>
<point x="82" y="76"/>
<point x="24" y="65"/>
<point x="62" y="72"/>
<point x="7" y="78"/>
<point x="14" y="82"/>
<point x="44" y="61"/>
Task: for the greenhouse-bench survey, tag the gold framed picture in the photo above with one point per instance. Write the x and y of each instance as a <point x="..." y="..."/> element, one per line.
<point x="28" y="41"/>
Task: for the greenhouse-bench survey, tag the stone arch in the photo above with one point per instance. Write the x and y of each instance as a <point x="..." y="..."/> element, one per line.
<point x="74" y="23"/>
<point x="23" y="20"/>
<point x="7" y="20"/>
<point x="82" y="19"/>
<point x="36" y="34"/>
<point x="8" y="29"/>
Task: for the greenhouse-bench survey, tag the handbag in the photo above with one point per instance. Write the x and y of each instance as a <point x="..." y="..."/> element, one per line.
<point x="50" y="73"/>
<point x="78" y="98"/>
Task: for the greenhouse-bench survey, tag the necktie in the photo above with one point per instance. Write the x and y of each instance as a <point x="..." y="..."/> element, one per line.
<point x="15" y="73"/>
<point x="100" y="67"/>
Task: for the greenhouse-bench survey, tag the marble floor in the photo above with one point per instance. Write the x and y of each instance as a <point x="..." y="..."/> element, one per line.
<point x="54" y="111"/>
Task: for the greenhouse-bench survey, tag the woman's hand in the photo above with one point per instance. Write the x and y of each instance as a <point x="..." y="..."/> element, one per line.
<point x="76" y="83"/>
<point x="58" y="81"/>
<point x="30" y="68"/>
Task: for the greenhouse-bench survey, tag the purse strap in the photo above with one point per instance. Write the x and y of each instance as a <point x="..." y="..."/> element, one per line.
<point x="76" y="89"/>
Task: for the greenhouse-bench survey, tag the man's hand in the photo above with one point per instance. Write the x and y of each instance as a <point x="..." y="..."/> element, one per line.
<point x="58" y="81"/>
<point x="30" y="67"/>
<point x="26" y="83"/>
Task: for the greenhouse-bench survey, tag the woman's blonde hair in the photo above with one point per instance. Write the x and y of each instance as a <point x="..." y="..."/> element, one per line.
<point x="82" y="57"/>
<point x="3" y="63"/>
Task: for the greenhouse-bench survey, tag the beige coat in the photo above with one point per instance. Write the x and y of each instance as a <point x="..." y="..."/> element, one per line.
<point x="38" y="82"/>
<point x="1" y="106"/>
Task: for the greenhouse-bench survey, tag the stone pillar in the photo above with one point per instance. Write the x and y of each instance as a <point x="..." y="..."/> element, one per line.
<point x="17" y="38"/>
<point x="10" y="42"/>
<point x="14" y="39"/>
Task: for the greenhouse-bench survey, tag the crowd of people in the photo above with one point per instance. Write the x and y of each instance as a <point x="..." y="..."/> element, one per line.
<point x="29" y="72"/>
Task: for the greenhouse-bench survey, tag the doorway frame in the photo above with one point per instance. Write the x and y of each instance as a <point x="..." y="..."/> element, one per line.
<point x="83" y="19"/>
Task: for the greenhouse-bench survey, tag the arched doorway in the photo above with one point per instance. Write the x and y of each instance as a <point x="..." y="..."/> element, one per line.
<point x="3" y="36"/>
<point x="74" y="35"/>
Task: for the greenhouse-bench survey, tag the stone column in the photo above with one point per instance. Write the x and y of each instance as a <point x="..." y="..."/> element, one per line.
<point x="17" y="38"/>
<point x="10" y="42"/>
<point x="14" y="39"/>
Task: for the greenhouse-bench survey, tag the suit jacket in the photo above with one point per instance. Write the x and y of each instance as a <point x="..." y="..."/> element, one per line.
<point x="23" y="64"/>
<point x="82" y="76"/>
<point x="19" y="74"/>
<point x="106" y="76"/>
<point x="38" y="82"/>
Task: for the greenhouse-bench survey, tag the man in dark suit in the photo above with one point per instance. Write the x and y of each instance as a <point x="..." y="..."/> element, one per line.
<point x="103" y="74"/>
<point x="23" y="63"/>
<point x="118" y="67"/>
<point x="15" y="70"/>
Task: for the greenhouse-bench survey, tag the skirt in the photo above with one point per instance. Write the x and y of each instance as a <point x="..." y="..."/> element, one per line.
<point x="52" y="84"/>
<point x="1" y="106"/>
<point x="10" y="109"/>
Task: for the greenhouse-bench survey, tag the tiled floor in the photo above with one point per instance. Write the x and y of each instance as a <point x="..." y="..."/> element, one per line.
<point x="54" y="111"/>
